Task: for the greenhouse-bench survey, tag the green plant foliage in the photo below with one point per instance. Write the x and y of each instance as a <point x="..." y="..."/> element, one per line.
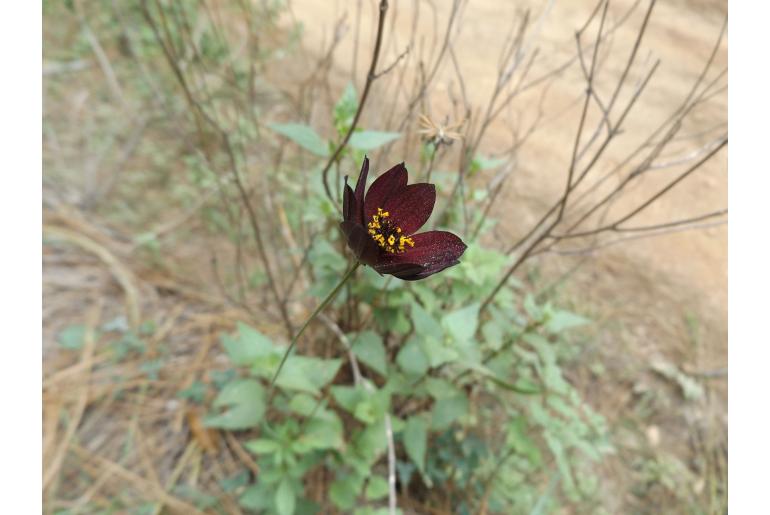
<point x="304" y="136"/>
<point x="244" y="403"/>
<point x="371" y="140"/>
<point x="369" y="348"/>
<point x="72" y="337"/>
<point x="416" y="441"/>
<point x="345" y="109"/>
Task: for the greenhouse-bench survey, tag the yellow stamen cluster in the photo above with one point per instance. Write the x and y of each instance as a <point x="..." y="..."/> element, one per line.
<point x="387" y="236"/>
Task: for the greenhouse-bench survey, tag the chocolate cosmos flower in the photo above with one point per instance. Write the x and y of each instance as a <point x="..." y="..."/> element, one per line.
<point x="380" y="226"/>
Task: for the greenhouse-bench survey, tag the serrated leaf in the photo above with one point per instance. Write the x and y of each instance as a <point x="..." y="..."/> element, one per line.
<point x="370" y="140"/>
<point x="244" y="400"/>
<point x="416" y="441"/>
<point x="369" y="348"/>
<point x="304" y="136"/>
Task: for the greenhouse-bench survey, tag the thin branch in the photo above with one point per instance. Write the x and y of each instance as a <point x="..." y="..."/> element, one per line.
<point x="370" y="78"/>
<point x="592" y="248"/>
<point x="615" y="225"/>
<point x="394" y="64"/>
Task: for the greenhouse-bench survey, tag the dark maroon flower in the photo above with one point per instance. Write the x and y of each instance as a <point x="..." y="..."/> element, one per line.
<point x="380" y="226"/>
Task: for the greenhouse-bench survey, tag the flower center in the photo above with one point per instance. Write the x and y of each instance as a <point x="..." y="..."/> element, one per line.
<point x="387" y="235"/>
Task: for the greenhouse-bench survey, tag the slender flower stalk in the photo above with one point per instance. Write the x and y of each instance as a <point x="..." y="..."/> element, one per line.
<point x="330" y="297"/>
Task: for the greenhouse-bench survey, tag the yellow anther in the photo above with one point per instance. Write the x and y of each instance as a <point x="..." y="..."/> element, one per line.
<point x="387" y="235"/>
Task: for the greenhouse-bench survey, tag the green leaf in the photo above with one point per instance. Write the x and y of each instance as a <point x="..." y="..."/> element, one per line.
<point x="481" y="162"/>
<point x="438" y="352"/>
<point x="416" y="441"/>
<point x="304" y="136"/>
<point x="412" y="359"/>
<point x="440" y="388"/>
<point x="462" y="323"/>
<point x="518" y="440"/>
<point x="370" y="442"/>
<point x="369" y="140"/>
<point x="302" y="373"/>
<point x="377" y="488"/>
<point x="348" y="396"/>
<point x="262" y="446"/>
<point x="245" y="403"/>
<point x="370" y="349"/>
<point x="72" y="337"/>
<point x="321" y="433"/>
<point x="256" y="497"/>
<point x="446" y="411"/>
<point x="373" y="407"/>
<point x="559" y="321"/>
<point x="425" y="324"/>
<point x="345" y="109"/>
<point x="285" y="498"/>
<point x="344" y="491"/>
<point x="250" y="346"/>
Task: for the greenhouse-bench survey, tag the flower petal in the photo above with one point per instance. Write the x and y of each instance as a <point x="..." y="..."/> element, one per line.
<point x="411" y="208"/>
<point x="359" y="241"/>
<point x="348" y="202"/>
<point x="398" y="269"/>
<point x="426" y="271"/>
<point x="360" y="189"/>
<point x="433" y="251"/>
<point x="385" y="186"/>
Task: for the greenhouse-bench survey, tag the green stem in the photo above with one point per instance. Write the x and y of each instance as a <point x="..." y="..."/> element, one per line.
<point x="330" y="297"/>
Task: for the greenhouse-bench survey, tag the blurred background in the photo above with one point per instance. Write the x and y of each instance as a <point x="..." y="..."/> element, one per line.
<point x="171" y="127"/>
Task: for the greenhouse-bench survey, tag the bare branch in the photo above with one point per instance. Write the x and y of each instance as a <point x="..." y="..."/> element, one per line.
<point x="370" y="78"/>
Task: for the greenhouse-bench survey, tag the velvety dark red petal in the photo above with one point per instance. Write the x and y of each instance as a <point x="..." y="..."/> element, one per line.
<point x="348" y="202"/>
<point x="360" y="189"/>
<point x="433" y="251"/>
<point x="360" y="243"/>
<point x="411" y="208"/>
<point x="426" y="271"/>
<point x="386" y="185"/>
<point x="398" y="269"/>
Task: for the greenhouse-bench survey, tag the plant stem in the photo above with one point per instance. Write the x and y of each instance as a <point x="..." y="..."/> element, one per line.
<point x="330" y="297"/>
